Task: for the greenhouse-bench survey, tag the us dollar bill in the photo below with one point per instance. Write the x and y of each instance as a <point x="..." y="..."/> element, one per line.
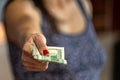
<point x="57" y="55"/>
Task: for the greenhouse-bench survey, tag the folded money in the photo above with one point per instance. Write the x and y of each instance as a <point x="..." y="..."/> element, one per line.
<point x="56" y="55"/>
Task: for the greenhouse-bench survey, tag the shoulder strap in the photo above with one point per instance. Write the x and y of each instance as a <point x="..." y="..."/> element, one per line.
<point x="82" y="6"/>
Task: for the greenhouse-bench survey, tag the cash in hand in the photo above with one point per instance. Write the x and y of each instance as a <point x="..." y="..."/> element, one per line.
<point x="57" y="55"/>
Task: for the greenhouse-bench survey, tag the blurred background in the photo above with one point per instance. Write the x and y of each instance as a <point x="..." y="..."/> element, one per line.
<point x="106" y="17"/>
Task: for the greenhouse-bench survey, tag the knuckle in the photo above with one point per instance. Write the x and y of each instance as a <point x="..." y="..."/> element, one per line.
<point x="27" y="48"/>
<point x="23" y="58"/>
<point x="45" y="68"/>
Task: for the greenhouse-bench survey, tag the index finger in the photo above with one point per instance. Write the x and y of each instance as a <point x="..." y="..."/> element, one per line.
<point x="40" y="42"/>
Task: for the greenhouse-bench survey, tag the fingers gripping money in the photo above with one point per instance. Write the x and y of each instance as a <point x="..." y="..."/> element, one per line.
<point x="56" y="55"/>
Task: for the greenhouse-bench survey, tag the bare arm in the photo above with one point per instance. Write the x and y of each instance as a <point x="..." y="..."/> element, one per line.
<point x="22" y="19"/>
<point x="23" y="27"/>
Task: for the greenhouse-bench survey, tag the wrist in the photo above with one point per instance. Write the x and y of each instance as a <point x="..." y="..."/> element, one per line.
<point x="26" y="36"/>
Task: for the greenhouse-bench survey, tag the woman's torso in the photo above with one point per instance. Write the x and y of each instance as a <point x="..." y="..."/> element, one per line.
<point x="83" y="52"/>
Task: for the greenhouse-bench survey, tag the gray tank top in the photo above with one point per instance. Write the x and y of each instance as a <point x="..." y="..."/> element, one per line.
<point x="83" y="52"/>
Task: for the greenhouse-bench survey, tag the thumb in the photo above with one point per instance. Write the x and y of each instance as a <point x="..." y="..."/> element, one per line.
<point x="40" y="42"/>
<point x="28" y="45"/>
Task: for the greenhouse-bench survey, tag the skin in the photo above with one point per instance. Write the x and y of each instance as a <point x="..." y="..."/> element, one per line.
<point x="23" y="26"/>
<point x="26" y="24"/>
<point x="64" y="11"/>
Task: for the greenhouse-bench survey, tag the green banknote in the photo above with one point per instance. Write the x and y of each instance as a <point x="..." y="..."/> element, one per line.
<point x="56" y="55"/>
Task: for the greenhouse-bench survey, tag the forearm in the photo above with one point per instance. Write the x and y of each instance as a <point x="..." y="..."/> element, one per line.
<point x="22" y="19"/>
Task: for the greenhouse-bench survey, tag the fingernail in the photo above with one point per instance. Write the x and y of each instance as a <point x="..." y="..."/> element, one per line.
<point x="45" y="52"/>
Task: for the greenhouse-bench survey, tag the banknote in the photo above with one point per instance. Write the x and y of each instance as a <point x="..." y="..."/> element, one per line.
<point x="57" y="55"/>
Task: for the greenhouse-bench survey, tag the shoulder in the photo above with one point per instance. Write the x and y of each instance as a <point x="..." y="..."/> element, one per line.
<point x="19" y="9"/>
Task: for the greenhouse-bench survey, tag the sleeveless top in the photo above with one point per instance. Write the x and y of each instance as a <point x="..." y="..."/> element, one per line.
<point x="83" y="52"/>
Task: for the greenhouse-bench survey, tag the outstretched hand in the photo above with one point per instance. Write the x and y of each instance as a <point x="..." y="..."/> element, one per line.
<point x="27" y="59"/>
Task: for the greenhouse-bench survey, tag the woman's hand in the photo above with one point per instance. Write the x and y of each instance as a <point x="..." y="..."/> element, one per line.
<point x="26" y="20"/>
<point x="27" y="58"/>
